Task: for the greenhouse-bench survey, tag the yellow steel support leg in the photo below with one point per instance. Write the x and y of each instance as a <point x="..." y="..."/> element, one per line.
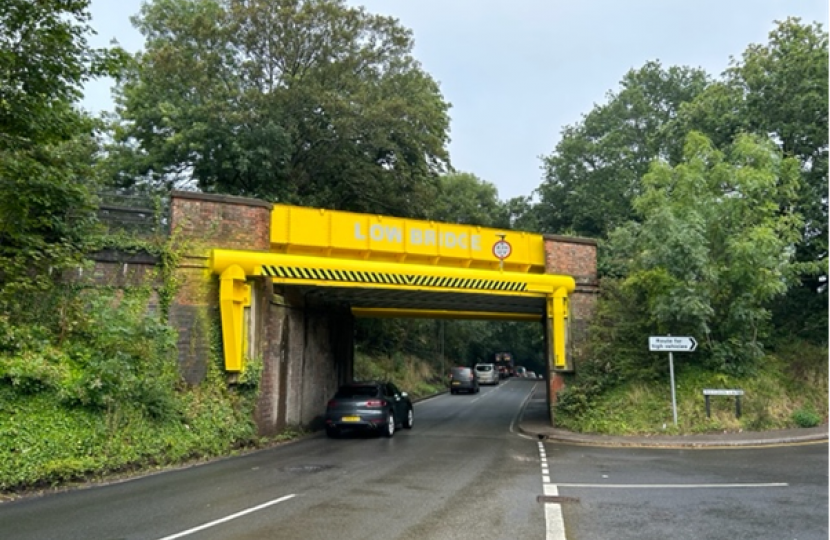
<point x="234" y="295"/>
<point x="557" y="313"/>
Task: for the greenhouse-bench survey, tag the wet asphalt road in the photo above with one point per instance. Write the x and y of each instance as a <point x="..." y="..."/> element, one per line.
<point x="459" y="473"/>
<point x="463" y="472"/>
<point x="774" y="493"/>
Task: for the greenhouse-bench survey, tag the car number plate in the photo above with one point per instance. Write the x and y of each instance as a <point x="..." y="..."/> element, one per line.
<point x="456" y="383"/>
<point x="351" y="419"/>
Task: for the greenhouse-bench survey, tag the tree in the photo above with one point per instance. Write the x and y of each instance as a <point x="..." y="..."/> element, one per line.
<point x="714" y="244"/>
<point x="465" y="198"/>
<point x="780" y="90"/>
<point x="46" y="145"/>
<point x="299" y="101"/>
<point x="595" y="170"/>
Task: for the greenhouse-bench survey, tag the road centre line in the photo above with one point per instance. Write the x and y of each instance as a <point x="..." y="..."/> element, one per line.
<point x="487" y="394"/>
<point x="674" y="486"/>
<point x="228" y="518"/>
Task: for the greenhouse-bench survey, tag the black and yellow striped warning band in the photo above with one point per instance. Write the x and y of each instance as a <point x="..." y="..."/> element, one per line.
<point x="352" y="276"/>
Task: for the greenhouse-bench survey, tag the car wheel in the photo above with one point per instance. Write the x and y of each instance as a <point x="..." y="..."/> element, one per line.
<point x="452" y="392"/>
<point x="410" y="419"/>
<point x="390" y="425"/>
<point x="332" y="433"/>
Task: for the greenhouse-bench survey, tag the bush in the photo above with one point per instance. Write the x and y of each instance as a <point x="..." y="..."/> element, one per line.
<point x="806" y="418"/>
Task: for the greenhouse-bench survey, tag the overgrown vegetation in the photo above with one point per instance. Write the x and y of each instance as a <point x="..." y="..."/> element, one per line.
<point x="101" y="393"/>
<point x="412" y="374"/>
<point x="720" y="234"/>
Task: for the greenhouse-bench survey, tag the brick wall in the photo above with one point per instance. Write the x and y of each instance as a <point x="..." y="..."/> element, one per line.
<point x="204" y="222"/>
<point x="576" y="257"/>
<point x="572" y="256"/>
<point x="221" y="221"/>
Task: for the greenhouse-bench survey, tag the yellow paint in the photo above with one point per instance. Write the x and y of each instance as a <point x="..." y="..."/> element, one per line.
<point x="347" y="235"/>
<point x="557" y="313"/>
<point x="394" y="313"/>
<point x="315" y="247"/>
<point x="234" y="295"/>
<point x="252" y="263"/>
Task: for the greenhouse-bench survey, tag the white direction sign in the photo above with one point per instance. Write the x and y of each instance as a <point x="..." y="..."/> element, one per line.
<point x="672" y="343"/>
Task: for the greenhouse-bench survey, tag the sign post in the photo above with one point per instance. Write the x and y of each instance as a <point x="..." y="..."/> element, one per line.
<point x="672" y="344"/>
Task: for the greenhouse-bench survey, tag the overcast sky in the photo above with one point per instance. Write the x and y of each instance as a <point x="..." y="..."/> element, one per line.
<point x="517" y="71"/>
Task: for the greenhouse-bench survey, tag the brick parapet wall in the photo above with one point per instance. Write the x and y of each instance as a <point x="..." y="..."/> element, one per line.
<point x="221" y="221"/>
<point x="572" y="256"/>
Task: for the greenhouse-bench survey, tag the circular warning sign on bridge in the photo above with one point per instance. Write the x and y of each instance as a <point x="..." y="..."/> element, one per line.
<point x="502" y="249"/>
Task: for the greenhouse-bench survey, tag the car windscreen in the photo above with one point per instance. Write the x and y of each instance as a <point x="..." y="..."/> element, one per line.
<point x="348" y="392"/>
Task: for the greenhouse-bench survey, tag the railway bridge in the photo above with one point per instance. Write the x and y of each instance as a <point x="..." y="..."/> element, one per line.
<point x="287" y="282"/>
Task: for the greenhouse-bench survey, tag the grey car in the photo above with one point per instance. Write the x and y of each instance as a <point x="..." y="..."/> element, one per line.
<point x="377" y="406"/>
<point x="463" y="379"/>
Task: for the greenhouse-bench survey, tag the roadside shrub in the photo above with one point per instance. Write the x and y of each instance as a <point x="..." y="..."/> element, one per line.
<point x="121" y="354"/>
<point x="806" y="418"/>
<point x="29" y="372"/>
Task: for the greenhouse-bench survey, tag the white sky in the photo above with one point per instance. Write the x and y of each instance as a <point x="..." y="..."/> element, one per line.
<point x="517" y="71"/>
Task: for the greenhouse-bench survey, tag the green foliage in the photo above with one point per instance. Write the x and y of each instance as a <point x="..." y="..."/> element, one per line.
<point x="465" y="198"/>
<point x="772" y="400"/>
<point x="413" y="375"/>
<point x="299" y="101"/>
<point x="46" y="146"/>
<point x="806" y="418"/>
<point x="44" y="62"/>
<point x="108" y="398"/>
<point x="715" y="245"/>
<point x="779" y="90"/>
<point x="595" y="170"/>
<point x="44" y="443"/>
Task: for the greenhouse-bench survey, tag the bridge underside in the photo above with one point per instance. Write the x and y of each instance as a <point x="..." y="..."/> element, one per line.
<point x="401" y="303"/>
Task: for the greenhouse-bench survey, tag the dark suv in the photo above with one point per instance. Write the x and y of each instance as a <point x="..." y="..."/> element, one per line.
<point x="463" y="379"/>
<point x="368" y="406"/>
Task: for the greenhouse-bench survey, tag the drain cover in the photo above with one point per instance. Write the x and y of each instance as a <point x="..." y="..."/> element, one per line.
<point x="306" y="468"/>
<point x="556" y="499"/>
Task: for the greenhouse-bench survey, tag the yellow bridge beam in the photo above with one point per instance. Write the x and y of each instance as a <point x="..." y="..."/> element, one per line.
<point x="396" y="313"/>
<point x="288" y="269"/>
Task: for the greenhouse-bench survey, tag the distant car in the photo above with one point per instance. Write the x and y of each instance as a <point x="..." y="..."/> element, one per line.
<point x="463" y="379"/>
<point x="530" y="375"/>
<point x="521" y="371"/>
<point x="369" y="406"/>
<point x="487" y="374"/>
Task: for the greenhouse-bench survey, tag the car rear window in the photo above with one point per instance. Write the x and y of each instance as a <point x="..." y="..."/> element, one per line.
<point x="346" y="392"/>
<point x="457" y="371"/>
<point x="484" y="368"/>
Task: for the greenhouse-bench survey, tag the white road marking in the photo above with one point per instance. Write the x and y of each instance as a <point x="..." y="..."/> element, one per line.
<point x="228" y="518"/>
<point x="487" y="394"/>
<point x="554" y="523"/>
<point x="674" y="486"/>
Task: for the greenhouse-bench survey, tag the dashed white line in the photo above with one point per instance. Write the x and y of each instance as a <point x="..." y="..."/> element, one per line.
<point x="228" y="518"/>
<point x="554" y="523"/>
